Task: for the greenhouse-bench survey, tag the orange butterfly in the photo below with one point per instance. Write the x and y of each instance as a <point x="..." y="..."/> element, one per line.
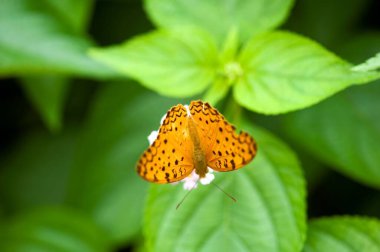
<point x="191" y="138"/>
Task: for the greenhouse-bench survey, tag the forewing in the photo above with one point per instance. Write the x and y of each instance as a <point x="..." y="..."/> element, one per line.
<point x="225" y="149"/>
<point x="169" y="158"/>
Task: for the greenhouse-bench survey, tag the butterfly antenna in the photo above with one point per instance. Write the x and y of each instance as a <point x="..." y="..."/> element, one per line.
<point x="187" y="194"/>
<point x="229" y="195"/>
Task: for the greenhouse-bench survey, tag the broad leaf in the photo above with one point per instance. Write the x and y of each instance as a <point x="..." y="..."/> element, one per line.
<point x="32" y="40"/>
<point x="219" y="17"/>
<point x="180" y="62"/>
<point x="344" y="131"/>
<point x="284" y="72"/>
<point x="269" y="214"/>
<point x="51" y="229"/>
<point x="47" y="93"/>
<point x="105" y="183"/>
<point x="343" y="234"/>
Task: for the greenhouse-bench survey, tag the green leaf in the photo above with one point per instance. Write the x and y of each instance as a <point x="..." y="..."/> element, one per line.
<point x="105" y="183"/>
<point x="180" y="62"/>
<point x="47" y="94"/>
<point x="36" y="171"/>
<point x="343" y="234"/>
<point x="230" y="46"/>
<point x="269" y="214"/>
<point x="51" y="229"/>
<point x="284" y="72"/>
<point x="73" y="12"/>
<point x="218" y="17"/>
<point x="32" y="41"/>
<point x="344" y="131"/>
<point x="370" y="64"/>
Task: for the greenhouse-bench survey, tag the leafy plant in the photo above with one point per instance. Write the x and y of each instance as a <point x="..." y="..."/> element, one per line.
<point x="75" y="188"/>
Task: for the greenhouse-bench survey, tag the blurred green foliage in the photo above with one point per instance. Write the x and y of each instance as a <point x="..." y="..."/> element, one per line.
<point x="95" y="77"/>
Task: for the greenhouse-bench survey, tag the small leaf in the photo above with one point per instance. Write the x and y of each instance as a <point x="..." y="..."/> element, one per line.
<point x="230" y="46"/>
<point x="269" y="214"/>
<point x="104" y="182"/>
<point x="180" y="62"/>
<point x="343" y="234"/>
<point x="51" y="229"/>
<point x="370" y="64"/>
<point x="284" y="72"/>
<point x="47" y="94"/>
<point x="219" y="16"/>
<point x="32" y="41"/>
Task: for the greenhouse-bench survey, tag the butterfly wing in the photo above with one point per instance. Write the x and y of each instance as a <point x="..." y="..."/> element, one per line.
<point x="225" y="149"/>
<point x="169" y="158"/>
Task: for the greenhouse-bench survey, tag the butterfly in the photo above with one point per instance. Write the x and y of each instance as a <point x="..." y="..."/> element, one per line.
<point x="194" y="137"/>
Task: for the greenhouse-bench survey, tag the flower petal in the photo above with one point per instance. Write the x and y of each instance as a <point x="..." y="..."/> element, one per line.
<point x="208" y="179"/>
<point x="152" y="136"/>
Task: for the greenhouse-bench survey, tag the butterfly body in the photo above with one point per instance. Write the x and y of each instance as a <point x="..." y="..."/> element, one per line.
<point x="193" y="138"/>
<point x="199" y="156"/>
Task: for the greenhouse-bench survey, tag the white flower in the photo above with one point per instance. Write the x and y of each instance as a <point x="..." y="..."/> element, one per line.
<point x="191" y="181"/>
<point x="208" y="178"/>
<point x="152" y="136"/>
<point x="162" y="119"/>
